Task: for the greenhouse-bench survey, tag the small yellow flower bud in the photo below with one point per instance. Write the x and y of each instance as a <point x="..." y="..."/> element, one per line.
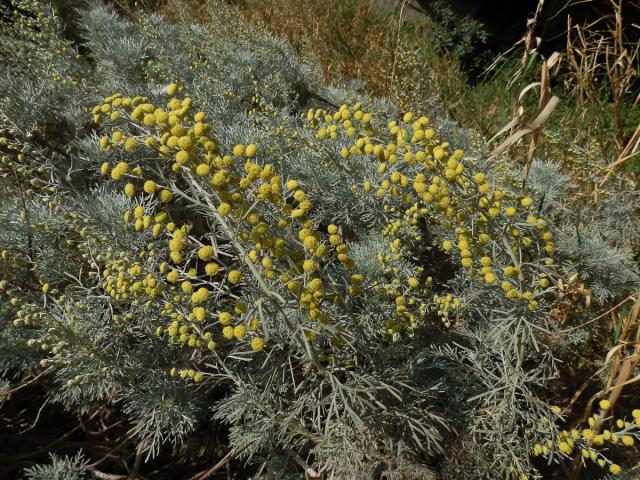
<point x="234" y="276"/>
<point x="206" y="253"/>
<point x="149" y="186"/>
<point x="251" y="150"/>
<point x="238" y="150"/>
<point x="257" y="344"/>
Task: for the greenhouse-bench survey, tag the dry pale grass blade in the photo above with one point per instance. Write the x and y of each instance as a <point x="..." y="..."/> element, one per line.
<point x="546" y="105"/>
<point x="596" y="319"/>
<point x="532" y="126"/>
<point x="621" y="372"/>
<point x="519" y="111"/>
<point x="629" y="337"/>
<point x="623" y="362"/>
<point x="631" y="150"/>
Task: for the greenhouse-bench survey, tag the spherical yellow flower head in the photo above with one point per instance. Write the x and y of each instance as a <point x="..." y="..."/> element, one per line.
<point x="234" y="276"/>
<point x="292" y="185"/>
<point x="266" y="262"/>
<point x="172" y="276"/>
<point x="309" y="266"/>
<point x="116" y="137"/>
<point x="239" y="331"/>
<point x="227" y="332"/>
<point x="149" y="186"/>
<point x="238" y="150"/>
<point x="202" y="170"/>
<point x="186" y="286"/>
<point x="130" y="144"/>
<point x="161" y="116"/>
<point x="253" y="324"/>
<point x="615" y="469"/>
<point x="200" y="296"/>
<point x="199" y="314"/>
<point x="212" y="269"/>
<point x="185" y="142"/>
<point x="257" y="344"/>
<point x="490" y="278"/>
<point x="165" y="196"/>
<point x="172" y="89"/>
<point x="485" y="261"/>
<point x="176" y="257"/>
<point x="225" y="318"/>
<point x="251" y="150"/>
<point x="479" y="178"/>
<point x="149" y="119"/>
<point x="129" y="190"/>
<point x="206" y="253"/>
<point x="413" y="282"/>
<point x="310" y="242"/>
<point x="565" y="447"/>
<point x="627" y="440"/>
<point x="604" y="404"/>
<point x="314" y="285"/>
<point x="224" y="209"/>
<point x="335" y="239"/>
<point x="119" y="170"/>
<point x="182" y="157"/>
<point x="138" y="212"/>
<point x="219" y="178"/>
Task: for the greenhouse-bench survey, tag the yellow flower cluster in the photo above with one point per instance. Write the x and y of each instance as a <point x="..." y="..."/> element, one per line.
<point x="122" y="279"/>
<point x="274" y="239"/>
<point x="588" y="441"/>
<point x="444" y="305"/>
<point x="489" y="231"/>
<point x="277" y="246"/>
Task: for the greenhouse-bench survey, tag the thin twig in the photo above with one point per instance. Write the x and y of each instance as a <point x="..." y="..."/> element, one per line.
<point x="226" y="459"/>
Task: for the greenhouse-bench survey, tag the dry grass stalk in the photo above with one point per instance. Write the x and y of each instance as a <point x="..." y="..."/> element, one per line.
<point x="631" y="150"/>
<point x="598" y="54"/>
<point x="623" y="358"/>
<point x="546" y="104"/>
<point x="626" y="355"/>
